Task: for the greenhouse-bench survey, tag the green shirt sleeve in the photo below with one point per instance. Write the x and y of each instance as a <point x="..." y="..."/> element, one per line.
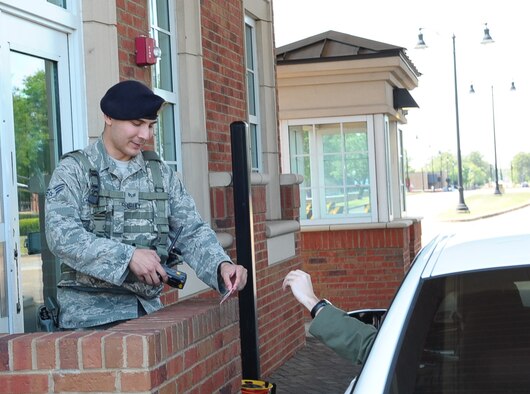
<point x="347" y="336"/>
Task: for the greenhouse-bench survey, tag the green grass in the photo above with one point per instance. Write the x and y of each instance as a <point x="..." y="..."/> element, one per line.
<point x="487" y="204"/>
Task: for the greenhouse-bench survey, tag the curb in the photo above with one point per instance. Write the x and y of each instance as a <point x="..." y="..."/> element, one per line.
<point x="485" y="216"/>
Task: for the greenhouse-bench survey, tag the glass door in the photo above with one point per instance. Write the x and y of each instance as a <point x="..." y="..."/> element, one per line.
<point x="36" y="115"/>
<point x="35" y="88"/>
<point x="4" y="322"/>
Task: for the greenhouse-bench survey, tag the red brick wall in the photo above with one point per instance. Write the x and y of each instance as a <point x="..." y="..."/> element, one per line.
<point x="224" y="96"/>
<point x="192" y="347"/>
<point x="280" y="334"/>
<point x="281" y="318"/>
<point x="415" y="241"/>
<point x="357" y="268"/>
<point x="224" y="76"/>
<point x="133" y="21"/>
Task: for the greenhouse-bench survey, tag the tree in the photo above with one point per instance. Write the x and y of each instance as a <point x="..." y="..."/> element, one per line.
<point x="31" y="127"/>
<point x="31" y="122"/>
<point x="521" y="167"/>
<point x="443" y="169"/>
<point x="476" y="172"/>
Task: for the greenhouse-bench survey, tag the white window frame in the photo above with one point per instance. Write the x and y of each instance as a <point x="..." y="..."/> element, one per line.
<point x="255" y="139"/>
<point x="171" y="97"/>
<point x="388" y="169"/>
<point x="402" y="155"/>
<point x="315" y="182"/>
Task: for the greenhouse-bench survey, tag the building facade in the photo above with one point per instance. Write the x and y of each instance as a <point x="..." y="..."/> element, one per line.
<point x="214" y="65"/>
<point x="342" y="101"/>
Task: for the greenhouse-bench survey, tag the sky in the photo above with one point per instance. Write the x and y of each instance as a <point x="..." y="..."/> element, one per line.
<point x="432" y="127"/>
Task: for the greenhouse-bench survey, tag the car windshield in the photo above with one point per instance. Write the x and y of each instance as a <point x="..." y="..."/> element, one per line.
<point x="468" y="333"/>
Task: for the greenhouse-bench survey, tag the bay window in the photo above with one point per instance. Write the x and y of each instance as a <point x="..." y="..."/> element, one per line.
<point x="335" y="156"/>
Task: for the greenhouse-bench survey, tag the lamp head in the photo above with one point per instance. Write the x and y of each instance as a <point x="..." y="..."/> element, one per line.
<point x="487" y="38"/>
<point x="421" y="43"/>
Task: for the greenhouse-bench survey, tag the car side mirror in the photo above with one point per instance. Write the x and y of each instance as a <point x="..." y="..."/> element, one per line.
<point x="369" y="316"/>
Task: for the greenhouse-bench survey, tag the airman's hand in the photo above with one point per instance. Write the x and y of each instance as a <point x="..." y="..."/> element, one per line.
<point x="234" y="276"/>
<point x="145" y="264"/>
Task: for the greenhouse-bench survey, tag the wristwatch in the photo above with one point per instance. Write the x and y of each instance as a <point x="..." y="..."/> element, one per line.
<point x="319" y="305"/>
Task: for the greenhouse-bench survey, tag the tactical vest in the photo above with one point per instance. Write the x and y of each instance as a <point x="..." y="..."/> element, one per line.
<point x="104" y="202"/>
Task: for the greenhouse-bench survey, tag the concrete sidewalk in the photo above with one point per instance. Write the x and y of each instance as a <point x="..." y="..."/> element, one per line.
<point x="314" y="369"/>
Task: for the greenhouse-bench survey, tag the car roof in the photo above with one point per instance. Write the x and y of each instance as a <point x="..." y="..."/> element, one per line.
<point x="462" y="252"/>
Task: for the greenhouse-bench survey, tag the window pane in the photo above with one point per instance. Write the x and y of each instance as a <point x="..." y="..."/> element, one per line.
<point x="468" y="333"/>
<point x="358" y="200"/>
<point x="254" y="146"/>
<point x="302" y="165"/>
<point x="60" y="3"/>
<point x="306" y="203"/>
<point x="331" y="138"/>
<point x="299" y="152"/>
<point x="162" y="75"/>
<point x="299" y="139"/>
<point x="334" y="201"/>
<point x="251" y="93"/>
<point x="37" y="136"/>
<point x="166" y="133"/>
<point x="356" y="169"/>
<point x="333" y="171"/>
<point x="249" y="47"/>
<point x="355" y="137"/>
<point x="160" y="15"/>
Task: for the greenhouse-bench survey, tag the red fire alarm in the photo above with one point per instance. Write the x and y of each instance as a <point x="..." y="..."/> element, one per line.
<point x="146" y="51"/>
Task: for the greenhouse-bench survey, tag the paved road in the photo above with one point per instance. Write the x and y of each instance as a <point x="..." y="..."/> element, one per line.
<point x="428" y="205"/>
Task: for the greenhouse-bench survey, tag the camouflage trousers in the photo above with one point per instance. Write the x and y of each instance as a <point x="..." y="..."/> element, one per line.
<point x="141" y="312"/>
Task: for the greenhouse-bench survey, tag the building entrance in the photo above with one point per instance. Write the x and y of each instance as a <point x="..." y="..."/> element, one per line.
<point x="35" y="111"/>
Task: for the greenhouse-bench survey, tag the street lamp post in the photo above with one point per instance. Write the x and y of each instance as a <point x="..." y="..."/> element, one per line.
<point x="496" y="168"/>
<point x="488" y="40"/>
<point x="433" y="184"/>
<point x="497" y="190"/>
<point x="461" y="207"/>
<point x="441" y="170"/>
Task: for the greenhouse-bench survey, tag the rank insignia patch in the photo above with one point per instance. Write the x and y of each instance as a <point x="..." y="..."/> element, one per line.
<point x="51" y="193"/>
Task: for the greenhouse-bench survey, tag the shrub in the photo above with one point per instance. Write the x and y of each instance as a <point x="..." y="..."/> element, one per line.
<point x="29" y="225"/>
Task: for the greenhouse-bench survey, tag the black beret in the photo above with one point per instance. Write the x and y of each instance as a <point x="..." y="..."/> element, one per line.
<point x="129" y="100"/>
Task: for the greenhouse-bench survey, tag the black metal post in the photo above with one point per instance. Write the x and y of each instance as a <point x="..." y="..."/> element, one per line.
<point x="497" y="190"/>
<point x="248" y="323"/>
<point x="461" y="207"/>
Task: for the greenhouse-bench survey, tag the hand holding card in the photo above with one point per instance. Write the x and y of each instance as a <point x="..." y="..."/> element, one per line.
<point x="225" y="297"/>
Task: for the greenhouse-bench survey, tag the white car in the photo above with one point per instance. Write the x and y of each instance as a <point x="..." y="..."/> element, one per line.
<point x="459" y="323"/>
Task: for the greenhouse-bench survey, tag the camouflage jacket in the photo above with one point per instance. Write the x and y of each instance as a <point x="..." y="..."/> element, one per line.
<point x="102" y="289"/>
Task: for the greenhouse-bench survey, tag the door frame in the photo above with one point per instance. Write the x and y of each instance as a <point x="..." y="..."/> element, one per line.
<point x="52" y="33"/>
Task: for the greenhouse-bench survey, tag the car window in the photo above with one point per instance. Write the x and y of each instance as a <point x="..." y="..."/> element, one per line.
<point x="467" y="333"/>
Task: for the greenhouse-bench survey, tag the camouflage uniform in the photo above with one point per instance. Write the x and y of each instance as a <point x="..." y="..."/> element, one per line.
<point x="99" y="288"/>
